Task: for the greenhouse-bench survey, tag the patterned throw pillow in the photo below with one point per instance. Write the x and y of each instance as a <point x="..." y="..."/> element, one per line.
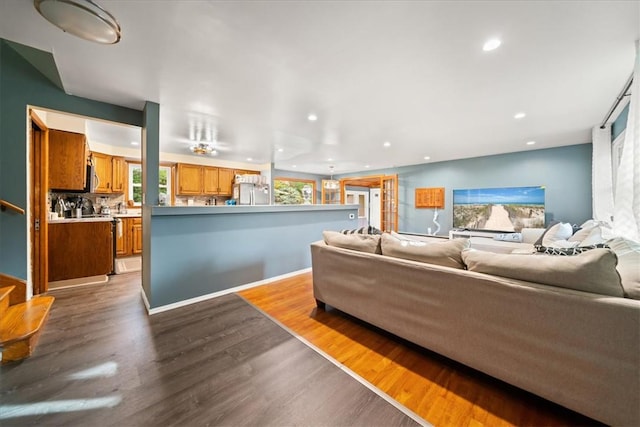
<point x="363" y="230"/>
<point x="569" y="251"/>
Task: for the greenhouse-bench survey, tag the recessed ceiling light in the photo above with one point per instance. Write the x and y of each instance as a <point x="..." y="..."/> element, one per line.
<point x="312" y="117"/>
<point x="330" y="159"/>
<point x="367" y="166"/>
<point x="519" y="115"/>
<point x="491" y="45"/>
<point x="135" y="143"/>
<point x="427" y="158"/>
<point x="294" y="166"/>
<point x="280" y="150"/>
<point x="387" y="144"/>
<point x="249" y="159"/>
<point x="531" y="142"/>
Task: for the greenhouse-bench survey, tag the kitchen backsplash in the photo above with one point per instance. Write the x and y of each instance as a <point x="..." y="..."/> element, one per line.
<point x="199" y="200"/>
<point x="112" y="200"/>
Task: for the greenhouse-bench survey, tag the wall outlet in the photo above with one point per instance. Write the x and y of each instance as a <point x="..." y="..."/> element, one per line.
<point x="352" y="216"/>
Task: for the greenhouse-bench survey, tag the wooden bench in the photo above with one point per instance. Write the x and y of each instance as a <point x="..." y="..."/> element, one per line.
<point x="20" y="321"/>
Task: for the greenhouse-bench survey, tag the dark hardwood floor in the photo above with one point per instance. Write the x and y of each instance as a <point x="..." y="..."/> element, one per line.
<point x="102" y="361"/>
<point x="441" y="391"/>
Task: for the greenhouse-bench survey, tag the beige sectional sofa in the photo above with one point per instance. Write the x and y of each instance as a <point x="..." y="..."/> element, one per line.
<point x="576" y="348"/>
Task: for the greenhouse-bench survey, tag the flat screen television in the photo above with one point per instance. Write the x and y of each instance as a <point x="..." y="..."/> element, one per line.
<point x="505" y="209"/>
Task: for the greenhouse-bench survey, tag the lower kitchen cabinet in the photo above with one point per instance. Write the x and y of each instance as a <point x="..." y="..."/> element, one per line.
<point x="80" y="249"/>
<point x="129" y="240"/>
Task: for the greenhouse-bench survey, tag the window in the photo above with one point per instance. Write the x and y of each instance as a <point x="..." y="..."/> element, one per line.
<point x="294" y="191"/>
<point x="135" y="184"/>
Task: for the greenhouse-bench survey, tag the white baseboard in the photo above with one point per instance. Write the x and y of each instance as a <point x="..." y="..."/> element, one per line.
<point x="190" y="301"/>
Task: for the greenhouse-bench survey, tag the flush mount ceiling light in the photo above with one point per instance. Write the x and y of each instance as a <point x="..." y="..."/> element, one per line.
<point x="202" y="149"/>
<point x="520" y="115"/>
<point x="312" y="117"/>
<point x="82" y="18"/>
<point x="491" y="45"/>
<point x="531" y="143"/>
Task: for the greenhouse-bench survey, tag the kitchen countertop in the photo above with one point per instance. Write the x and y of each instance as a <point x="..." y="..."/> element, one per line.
<point x="126" y="215"/>
<point x="86" y="219"/>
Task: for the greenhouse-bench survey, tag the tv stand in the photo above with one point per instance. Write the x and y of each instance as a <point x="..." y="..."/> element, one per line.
<point x="463" y="232"/>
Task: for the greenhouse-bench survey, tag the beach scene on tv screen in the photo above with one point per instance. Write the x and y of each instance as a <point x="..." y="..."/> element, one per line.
<point x="499" y="209"/>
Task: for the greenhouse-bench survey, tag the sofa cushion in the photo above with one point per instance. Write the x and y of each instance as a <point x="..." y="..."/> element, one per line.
<point x="445" y="253"/>
<point x="358" y="242"/>
<point x="592" y="271"/>
<point x="628" y="253"/>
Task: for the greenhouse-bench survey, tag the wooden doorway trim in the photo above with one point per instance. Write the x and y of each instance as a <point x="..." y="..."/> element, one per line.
<point x="39" y="172"/>
<point x="388" y="185"/>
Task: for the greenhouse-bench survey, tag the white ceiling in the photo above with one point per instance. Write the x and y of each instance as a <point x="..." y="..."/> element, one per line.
<point x="411" y="73"/>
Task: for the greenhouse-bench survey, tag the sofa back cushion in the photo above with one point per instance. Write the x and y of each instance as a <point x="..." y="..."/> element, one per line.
<point x="358" y="242"/>
<point x="446" y="253"/>
<point x="592" y="271"/>
<point x="628" y="252"/>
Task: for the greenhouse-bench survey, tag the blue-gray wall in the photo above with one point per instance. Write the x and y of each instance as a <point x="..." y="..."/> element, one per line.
<point x="198" y="254"/>
<point x="21" y="84"/>
<point x="564" y="171"/>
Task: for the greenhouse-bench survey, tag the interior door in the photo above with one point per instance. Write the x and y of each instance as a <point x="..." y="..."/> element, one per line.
<point x="389" y="203"/>
<point x="39" y="170"/>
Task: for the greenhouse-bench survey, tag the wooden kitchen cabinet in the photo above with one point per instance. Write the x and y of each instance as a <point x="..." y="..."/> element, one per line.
<point x="136" y="235"/>
<point x="210" y="180"/>
<point x="189" y="180"/>
<point x="130" y="241"/>
<point x="225" y="182"/>
<point x="197" y="180"/>
<point x="111" y="171"/>
<point x="119" y="174"/>
<point x="67" y="160"/>
<point x="80" y="249"/>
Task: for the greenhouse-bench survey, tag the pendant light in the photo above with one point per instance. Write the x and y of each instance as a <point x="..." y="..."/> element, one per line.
<point x="331" y="184"/>
<point x="82" y="18"/>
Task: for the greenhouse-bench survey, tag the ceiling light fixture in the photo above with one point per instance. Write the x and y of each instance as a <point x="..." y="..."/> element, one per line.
<point x="427" y="158"/>
<point x="312" y="117"/>
<point x="367" y="166"/>
<point x="82" y="18"/>
<point x="531" y="142"/>
<point x="519" y="116"/>
<point x="135" y="143"/>
<point x="249" y="159"/>
<point x="331" y="184"/>
<point x="387" y="144"/>
<point x="491" y="45"/>
<point x="201" y="149"/>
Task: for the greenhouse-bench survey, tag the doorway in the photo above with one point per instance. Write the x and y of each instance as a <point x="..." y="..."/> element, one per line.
<point x="385" y="203"/>
<point x="360" y="198"/>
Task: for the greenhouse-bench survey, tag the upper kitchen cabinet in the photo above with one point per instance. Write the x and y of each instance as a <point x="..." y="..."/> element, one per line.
<point x="225" y="182"/>
<point x="67" y="160"/>
<point x="189" y="179"/>
<point x="111" y="173"/>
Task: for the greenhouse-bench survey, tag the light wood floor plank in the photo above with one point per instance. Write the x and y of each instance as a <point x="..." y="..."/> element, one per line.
<point x="441" y="391"/>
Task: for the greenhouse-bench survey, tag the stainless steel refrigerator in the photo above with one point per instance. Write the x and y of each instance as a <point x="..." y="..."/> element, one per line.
<point x="251" y="194"/>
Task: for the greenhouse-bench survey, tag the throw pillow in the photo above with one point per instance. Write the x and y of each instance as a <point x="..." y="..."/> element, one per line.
<point x="594" y="237"/>
<point x="445" y="253"/>
<point x="357" y="242"/>
<point x="592" y="271"/>
<point x="363" y="230"/>
<point x="583" y="232"/>
<point x="628" y="253"/>
<point x="560" y="231"/>
<point x="569" y="251"/>
<point x="539" y="241"/>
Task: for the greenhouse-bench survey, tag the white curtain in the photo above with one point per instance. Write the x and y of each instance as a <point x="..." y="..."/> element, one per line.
<point x="626" y="212"/>
<point x="602" y="183"/>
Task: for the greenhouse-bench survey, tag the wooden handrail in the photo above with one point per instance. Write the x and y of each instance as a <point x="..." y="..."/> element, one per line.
<point x="4" y="205"/>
